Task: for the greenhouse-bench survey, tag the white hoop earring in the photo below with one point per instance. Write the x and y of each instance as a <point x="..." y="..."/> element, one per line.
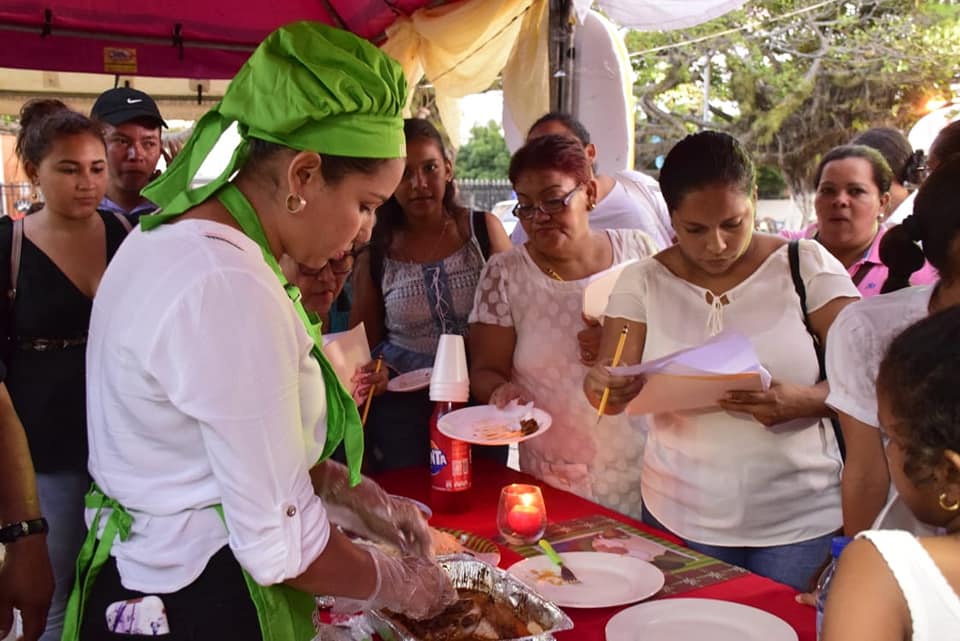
<point x="299" y="203"/>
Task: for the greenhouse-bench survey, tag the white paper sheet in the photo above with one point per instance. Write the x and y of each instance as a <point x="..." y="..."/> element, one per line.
<point x="698" y="377"/>
<point x="599" y="287"/>
<point x="346" y="352"/>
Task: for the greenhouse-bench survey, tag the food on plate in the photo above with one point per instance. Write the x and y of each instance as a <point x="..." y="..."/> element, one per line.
<point x="445" y="543"/>
<point x="475" y="616"/>
<point x="529" y="426"/>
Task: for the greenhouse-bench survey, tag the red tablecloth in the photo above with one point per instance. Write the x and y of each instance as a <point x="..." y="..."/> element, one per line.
<point x="489" y="477"/>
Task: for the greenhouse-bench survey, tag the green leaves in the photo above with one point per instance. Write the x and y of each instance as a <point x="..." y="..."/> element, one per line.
<point x="485" y="155"/>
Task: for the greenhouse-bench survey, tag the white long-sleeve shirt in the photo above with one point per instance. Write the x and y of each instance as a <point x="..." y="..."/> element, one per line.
<point x="201" y="390"/>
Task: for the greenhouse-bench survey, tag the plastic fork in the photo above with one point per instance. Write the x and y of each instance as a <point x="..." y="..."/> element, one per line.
<point x="565" y="573"/>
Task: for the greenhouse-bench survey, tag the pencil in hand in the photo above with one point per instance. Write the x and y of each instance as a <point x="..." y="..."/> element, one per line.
<point x="373" y="388"/>
<point x="616" y="361"/>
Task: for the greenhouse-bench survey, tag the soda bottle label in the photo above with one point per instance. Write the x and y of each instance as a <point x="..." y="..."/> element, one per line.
<point x="438" y="460"/>
<point x="449" y="464"/>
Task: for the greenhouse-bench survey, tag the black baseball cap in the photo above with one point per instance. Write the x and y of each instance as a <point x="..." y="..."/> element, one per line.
<point x="123" y="104"/>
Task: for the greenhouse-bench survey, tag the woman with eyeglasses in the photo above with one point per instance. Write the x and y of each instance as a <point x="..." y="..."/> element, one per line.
<point x="415" y="283"/>
<point x="527" y="316"/>
<point x="321" y="290"/>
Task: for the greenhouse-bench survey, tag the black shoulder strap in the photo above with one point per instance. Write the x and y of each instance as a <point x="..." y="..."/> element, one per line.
<point x="481" y="232"/>
<point x="793" y="254"/>
<point x="376" y="265"/>
<point x="123" y="221"/>
<point x="16" y="247"/>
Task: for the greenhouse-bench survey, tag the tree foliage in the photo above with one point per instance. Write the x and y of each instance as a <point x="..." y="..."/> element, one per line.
<point x="485" y="155"/>
<point x="793" y="78"/>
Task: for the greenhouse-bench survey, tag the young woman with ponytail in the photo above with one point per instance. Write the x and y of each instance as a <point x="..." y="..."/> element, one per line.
<point x="862" y="332"/>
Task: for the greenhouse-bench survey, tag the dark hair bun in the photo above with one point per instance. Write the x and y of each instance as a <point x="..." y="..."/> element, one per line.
<point x="35" y="110"/>
<point x="902" y="256"/>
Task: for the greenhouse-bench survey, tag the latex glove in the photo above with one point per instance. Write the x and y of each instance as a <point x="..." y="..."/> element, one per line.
<point x="506" y="392"/>
<point x="26" y="583"/>
<point x="410" y="585"/>
<point x="370" y="512"/>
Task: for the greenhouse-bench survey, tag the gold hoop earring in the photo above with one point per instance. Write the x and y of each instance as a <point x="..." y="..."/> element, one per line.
<point x="949" y="507"/>
<point x="300" y="203"/>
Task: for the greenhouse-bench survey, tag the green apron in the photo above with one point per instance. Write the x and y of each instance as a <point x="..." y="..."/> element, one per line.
<point x="285" y="614"/>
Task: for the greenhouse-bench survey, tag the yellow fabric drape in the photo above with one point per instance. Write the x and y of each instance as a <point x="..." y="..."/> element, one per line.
<point x="526" y="77"/>
<point x="462" y="47"/>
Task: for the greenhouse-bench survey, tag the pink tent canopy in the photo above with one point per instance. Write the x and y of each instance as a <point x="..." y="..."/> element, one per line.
<point x="175" y="38"/>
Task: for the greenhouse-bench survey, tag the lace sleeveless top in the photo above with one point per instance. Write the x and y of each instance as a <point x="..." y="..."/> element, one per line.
<point x="424" y="300"/>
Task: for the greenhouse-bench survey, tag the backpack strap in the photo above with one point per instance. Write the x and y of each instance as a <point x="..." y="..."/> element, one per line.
<point x="16" y="247"/>
<point x="376" y="266"/>
<point x="481" y="232"/>
<point x="793" y="254"/>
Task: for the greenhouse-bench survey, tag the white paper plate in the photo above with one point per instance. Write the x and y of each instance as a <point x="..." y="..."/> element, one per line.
<point x="605" y="579"/>
<point x="695" y="620"/>
<point x="487" y="425"/>
<point x="411" y="381"/>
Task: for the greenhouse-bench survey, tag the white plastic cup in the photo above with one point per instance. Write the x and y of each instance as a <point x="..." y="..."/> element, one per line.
<point x="450" y="376"/>
<point x="456" y="393"/>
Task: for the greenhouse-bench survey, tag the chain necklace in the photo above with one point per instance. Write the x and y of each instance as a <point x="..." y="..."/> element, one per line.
<point x="437" y="246"/>
<point x="547" y="268"/>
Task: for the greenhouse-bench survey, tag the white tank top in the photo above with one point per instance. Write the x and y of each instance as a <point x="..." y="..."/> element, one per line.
<point x="934" y="606"/>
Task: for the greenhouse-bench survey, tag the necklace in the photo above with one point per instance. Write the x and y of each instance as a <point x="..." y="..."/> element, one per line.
<point x="546" y="268"/>
<point x="437" y="244"/>
<point x="552" y="273"/>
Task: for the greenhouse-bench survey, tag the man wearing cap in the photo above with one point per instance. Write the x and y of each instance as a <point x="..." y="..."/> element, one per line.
<point x="133" y="148"/>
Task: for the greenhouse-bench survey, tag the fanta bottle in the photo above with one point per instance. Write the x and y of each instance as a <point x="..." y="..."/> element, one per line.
<point x="450" y="473"/>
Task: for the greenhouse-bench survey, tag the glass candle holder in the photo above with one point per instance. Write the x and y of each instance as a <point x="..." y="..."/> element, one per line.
<point x="521" y="514"/>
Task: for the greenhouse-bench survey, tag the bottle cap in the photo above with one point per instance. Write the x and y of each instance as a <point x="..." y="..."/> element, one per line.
<point x="837" y="545"/>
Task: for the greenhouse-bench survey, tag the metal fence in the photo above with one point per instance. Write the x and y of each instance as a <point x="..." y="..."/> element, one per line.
<point x="15" y="198"/>
<point x="483" y="194"/>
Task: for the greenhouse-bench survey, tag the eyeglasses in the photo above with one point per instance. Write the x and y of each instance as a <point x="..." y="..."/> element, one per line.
<point x="344" y="264"/>
<point x="549" y="207"/>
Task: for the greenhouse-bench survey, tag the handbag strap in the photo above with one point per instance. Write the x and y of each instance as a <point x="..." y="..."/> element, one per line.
<point x="16" y="247"/>
<point x="123" y="221"/>
<point x="793" y="254"/>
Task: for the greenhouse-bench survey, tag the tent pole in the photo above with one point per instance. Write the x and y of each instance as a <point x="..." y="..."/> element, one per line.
<point x="562" y="56"/>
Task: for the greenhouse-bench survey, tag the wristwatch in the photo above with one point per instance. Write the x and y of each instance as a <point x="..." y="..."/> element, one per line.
<point x="13" y="531"/>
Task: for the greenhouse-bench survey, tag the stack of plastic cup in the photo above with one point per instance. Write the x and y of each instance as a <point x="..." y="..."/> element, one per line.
<point x="450" y="380"/>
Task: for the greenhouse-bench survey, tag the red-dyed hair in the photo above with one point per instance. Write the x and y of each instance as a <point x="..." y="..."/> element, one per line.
<point x="559" y="153"/>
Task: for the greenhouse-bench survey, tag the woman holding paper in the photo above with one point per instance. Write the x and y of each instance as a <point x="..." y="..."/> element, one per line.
<point x="755" y="481"/>
<point x="319" y="290"/>
<point x="527" y="315"/>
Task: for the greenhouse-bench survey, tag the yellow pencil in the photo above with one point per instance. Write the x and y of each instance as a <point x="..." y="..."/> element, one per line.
<point x="616" y="361"/>
<point x="366" y="406"/>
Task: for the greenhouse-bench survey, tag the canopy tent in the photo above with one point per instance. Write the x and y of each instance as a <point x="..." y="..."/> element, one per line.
<point x="210" y="39"/>
<point x="461" y="46"/>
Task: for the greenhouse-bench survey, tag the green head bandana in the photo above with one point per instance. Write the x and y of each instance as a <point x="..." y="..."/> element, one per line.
<point x="309" y="87"/>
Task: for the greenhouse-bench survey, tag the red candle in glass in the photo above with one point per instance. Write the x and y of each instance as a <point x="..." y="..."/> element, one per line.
<point x="521" y="515"/>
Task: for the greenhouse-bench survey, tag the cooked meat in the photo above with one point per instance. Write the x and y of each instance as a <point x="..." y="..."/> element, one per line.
<point x="476" y="616"/>
<point x="529" y="426"/>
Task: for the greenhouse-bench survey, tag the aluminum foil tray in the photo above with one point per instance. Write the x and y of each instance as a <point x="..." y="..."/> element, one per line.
<point x="467" y="572"/>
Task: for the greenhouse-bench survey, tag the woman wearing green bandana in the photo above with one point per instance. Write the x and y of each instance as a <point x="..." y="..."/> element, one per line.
<point x="211" y="409"/>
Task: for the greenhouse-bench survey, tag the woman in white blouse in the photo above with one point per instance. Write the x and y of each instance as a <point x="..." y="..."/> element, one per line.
<point x="211" y="408"/>
<point x="754" y="482"/>
<point x="527" y="315"/>
<point x="863" y="332"/>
